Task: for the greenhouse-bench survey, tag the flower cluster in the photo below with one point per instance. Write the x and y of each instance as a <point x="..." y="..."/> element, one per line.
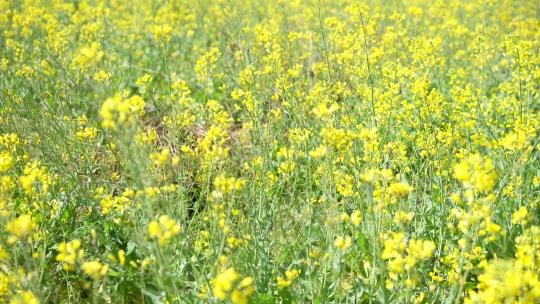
<point x="120" y="110"/>
<point x="289" y="151"/>
<point x="163" y="229"/>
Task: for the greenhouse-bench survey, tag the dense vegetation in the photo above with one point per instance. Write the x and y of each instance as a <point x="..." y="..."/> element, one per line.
<point x="288" y="151"/>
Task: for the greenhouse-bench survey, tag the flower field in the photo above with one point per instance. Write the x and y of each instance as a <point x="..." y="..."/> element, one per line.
<point x="287" y="151"/>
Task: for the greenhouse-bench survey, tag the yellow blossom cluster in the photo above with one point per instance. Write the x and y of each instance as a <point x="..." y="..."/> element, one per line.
<point x="290" y="276"/>
<point x="228" y="284"/>
<point x="251" y="151"/>
<point x="163" y="229"/>
<point x="119" y="110"/>
<point x="69" y="253"/>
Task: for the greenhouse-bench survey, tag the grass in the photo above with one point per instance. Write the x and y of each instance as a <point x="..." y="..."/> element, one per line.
<point x="269" y="151"/>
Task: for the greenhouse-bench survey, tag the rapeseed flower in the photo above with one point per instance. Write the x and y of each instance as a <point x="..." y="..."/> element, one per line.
<point x="69" y="253"/>
<point x="20" y="228"/>
<point x="163" y="229"/>
<point x="95" y="269"/>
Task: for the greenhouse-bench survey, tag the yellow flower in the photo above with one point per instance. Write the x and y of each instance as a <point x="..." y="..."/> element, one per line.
<point x="394" y="246"/>
<point x="163" y="229"/>
<point x="402" y="217"/>
<point x="121" y="257"/>
<point x="95" y="269"/>
<point x="101" y="76"/>
<point x="322" y="110"/>
<point x="143" y="81"/>
<point x="521" y="216"/>
<point x="420" y="298"/>
<point x="515" y="140"/>
<point x="88" y="56"/>
<point x="20" y="228"/>
<point x="118" y="109"/>
<point x="282" y="283"/>
<point x="343" y="243"/>
<point x="243" y="290"/>
<point x="397" y="264"/>
<point x="290" y="276"/>
<point x="223" y="283"/>
<point x="69" y="253"/>
<point x="206" y="64"/>
<point x="356" y="218"/>
<point x="528" y="248"/>
<point x="24" y="297"/>
<point x="319" y="152"/>
<point x="225" y="185"/>
<point x="162" y="33"/>
<point x="34" y="175"/>
<point x="161" y="158"/>
<point x="120" y="203"/>
<point x="344" y="183"/>
<point x="6" y="161"/>
<point x="461" y="171"/>
<point x="505" y="281"/>
<point x="400" y="189"/>
<point x="421" y="250"/>
<point x="476" y="172"/>
<point x="369" y="176"/>
<point x="87" y="133"/>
